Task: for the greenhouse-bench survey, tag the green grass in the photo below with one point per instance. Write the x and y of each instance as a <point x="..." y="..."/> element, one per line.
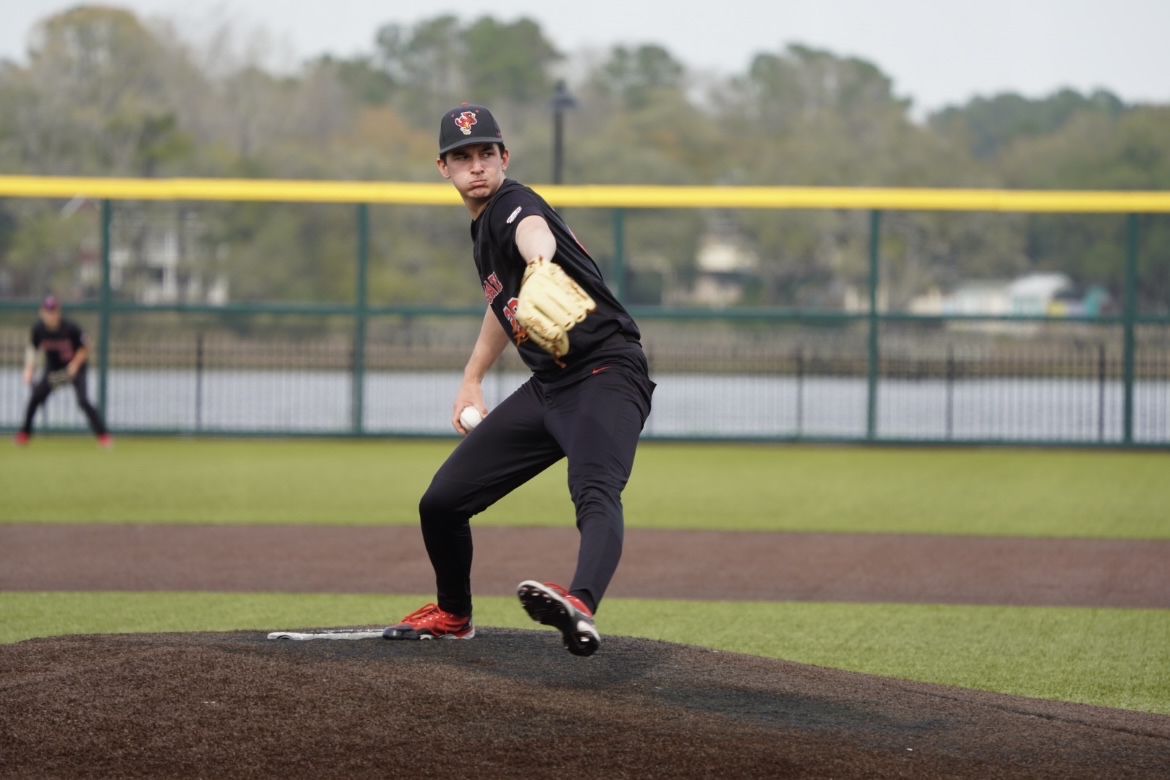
<point x="1113" y="657"/>
<point x="1025" y="492"/>
<point x="1108" y="657"/>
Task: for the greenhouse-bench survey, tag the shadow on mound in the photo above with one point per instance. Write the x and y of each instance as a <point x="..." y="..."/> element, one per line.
<point x="514" y="704"/>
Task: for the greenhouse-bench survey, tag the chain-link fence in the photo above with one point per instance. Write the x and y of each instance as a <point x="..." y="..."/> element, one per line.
<point x="183" y="339"/>
<point x="764" y="380"/>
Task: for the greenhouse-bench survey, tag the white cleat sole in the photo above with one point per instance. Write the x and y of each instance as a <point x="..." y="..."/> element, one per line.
<point x="549" y="608"/>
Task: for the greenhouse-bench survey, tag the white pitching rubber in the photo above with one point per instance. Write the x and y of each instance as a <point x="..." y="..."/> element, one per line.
<point x="330" y="633"/>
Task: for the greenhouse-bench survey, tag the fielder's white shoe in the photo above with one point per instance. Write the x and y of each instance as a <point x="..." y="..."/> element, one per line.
<point x="552" y="605"/>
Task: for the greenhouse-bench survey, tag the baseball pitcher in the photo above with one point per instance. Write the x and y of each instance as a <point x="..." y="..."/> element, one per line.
<point x="587" y="399"/>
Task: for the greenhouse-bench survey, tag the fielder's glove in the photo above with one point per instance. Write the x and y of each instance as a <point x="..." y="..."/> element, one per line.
<point x="60" y="378"/>
<point x="549" y="305"/>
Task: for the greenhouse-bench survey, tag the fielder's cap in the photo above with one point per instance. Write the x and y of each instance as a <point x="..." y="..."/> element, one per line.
<point x="467" y="124"/>
<point x="50" y="303"/>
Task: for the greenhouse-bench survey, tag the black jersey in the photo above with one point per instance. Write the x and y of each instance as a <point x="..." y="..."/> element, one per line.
<point x="501" y="269"/>
<point x="60" y="345"/>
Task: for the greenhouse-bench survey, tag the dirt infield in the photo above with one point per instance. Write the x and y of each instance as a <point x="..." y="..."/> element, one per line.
<point x="656" y="564"/>
<point x="514" y="704"/>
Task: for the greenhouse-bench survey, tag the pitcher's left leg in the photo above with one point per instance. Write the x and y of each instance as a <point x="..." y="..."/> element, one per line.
<point x="598" y="423"/>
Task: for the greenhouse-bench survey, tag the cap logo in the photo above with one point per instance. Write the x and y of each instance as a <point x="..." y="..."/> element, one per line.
<point x="465" y="120"/>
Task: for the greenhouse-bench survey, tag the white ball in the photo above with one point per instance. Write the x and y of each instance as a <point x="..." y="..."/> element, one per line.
<point x="470" y="417"/>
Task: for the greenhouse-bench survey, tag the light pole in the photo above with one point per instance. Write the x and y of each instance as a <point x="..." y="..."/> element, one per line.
<point x="561" y="101"/>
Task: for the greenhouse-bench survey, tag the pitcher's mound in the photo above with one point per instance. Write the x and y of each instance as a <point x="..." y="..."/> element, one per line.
<point x="515" y="704"/>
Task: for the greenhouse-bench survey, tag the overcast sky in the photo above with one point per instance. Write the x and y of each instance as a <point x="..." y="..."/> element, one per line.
<point x="938" y="52"/>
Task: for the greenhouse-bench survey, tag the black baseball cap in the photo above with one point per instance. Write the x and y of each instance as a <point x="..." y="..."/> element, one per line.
<point x="50" y="303"/>
<point x="467" y="124"/>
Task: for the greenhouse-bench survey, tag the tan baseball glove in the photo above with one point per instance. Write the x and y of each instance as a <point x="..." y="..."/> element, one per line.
<point x="60" y="378"/>
<point x="550" y="304"/>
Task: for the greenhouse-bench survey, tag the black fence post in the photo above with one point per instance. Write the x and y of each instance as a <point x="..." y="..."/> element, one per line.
<point x="950" y="391"/>
<point x="361" y="315"/>
<point x="873" y="357"/>
<point x="104" y="311"/>
<point x="800" y="392"/>
<point x="1131" y="252"/>
<point x="199" y="381"/>
<point x="1100" y="392"/>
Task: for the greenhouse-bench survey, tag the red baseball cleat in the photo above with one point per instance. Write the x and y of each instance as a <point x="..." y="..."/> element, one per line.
<point x="105" y="441"/>
<point x="430" y="622"/>
<point x="20" y="439"/>
<point x="551" y="605"/>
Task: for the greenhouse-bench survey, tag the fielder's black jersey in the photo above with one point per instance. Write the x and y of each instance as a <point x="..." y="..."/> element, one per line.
<point x="60" y="345"/>
<point x="501" y="269"/>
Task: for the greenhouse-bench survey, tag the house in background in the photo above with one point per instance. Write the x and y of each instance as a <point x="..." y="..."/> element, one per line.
<point x="723" y="263"/>
<point x="160" y="260"/>
<point x="1031" y="295"/>
<point x="155" y="258"/>
<point x="1034" y="295"/>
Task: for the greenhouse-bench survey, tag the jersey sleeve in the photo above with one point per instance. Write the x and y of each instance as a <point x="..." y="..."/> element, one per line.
<point x="511" y="208"/>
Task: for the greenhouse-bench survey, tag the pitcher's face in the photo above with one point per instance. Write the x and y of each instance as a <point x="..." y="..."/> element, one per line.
<point x="476" y="170"/>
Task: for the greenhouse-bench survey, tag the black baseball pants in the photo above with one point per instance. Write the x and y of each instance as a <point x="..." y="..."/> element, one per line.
<point x="43" y="389"/>
<point x="594" y="422"/>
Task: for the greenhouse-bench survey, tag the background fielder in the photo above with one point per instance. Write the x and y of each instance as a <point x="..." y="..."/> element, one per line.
<point x="586" y="403"/>
<point x="62" y="342"/>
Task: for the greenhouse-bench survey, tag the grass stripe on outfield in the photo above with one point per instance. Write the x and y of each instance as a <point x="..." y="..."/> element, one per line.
<point x="1110" y="657"/>
<point x="1083" y="493"/>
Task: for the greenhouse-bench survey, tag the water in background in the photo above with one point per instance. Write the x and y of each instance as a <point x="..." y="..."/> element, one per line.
<point x="715" y="406"/>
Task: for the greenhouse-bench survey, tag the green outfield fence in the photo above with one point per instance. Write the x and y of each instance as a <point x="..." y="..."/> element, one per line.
<point x="358" y="368"/>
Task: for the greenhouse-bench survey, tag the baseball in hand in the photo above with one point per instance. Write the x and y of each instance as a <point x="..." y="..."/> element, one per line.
<point x="469" y="418"/>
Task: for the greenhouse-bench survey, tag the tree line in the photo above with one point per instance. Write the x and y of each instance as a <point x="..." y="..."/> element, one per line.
<point x="105" y="93"/>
